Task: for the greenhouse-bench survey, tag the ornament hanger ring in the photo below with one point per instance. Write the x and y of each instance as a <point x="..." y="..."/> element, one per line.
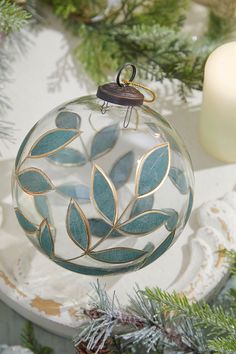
<point x="134" y="70"/>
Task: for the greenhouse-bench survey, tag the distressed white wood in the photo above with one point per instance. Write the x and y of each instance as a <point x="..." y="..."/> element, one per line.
<point x="16" y="349"/>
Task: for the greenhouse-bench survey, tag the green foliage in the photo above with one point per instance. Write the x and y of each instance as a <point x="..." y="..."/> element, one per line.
<point x="167" y="13"/>
<point x="232" y="259"/>
<point x="157" y="322"/>
<point x="99" y="52"/>
<point x="218" y="27"/>
<point x="215" y="319"/>
<point x="146" y="32"/>
<point x="165" y="54"/>
<point x="12" y="16"/>
<point x="29" y="341"/>
<point x="80" y="10"/>
<point x="223" y="345"/>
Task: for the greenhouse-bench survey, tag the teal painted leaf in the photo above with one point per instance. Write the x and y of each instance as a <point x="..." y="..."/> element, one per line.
<point x="68" y="120"/>
<point x="45" y="239"/>
<point x="122" y="169"/>
<point x="41" y="204"/>
<point x="172" y="220"/>
<point x="104" y="141"/>
<point x="152" y="170"/>
<point x="78" y="192"/>
<point x="53" y="141"/>
<point x="178" y="178"/>
<point x="22" y="147"/>
<point x="118" y="255"/>
<point x="104" y="194"/>
<point x="26" y="225"/>
<point x="77" y="226"/>
<point x="68" y="157"/>
<point x="190" y="206"/>
<point x="144" y="223"/>
<point x="34" y="181"/>
<point x="141" y="205"/>
<point x="99" y="228"/>
<point x="96" y="270"/>
<point x="160" y="250"/>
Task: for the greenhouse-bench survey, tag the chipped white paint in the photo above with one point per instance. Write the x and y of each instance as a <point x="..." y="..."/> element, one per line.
<point x="217" y="231"/>
<point x="5" y="349"/>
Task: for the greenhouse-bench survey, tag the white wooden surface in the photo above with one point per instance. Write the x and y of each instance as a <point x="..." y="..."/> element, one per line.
<point x="11" y="325"/>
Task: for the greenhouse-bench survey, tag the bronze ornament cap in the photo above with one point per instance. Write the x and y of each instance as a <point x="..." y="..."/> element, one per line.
<point x="124" y="95"/>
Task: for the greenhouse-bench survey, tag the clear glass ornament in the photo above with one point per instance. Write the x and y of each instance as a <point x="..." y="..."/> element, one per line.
<point x="101" y="188"/>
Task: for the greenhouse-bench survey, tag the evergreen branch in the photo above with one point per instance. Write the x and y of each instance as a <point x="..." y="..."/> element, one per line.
<point x="12" y="17"/>
<point x="232" y="260"/>
<point x="146" y="33"/>
<point x="167" y="13"/>
<point x="163" y="53"/>
<point x="144" y="323"/>
<point x="223" y="345"/>
<point x="219" y="27"/>
<point x="213" y="318"/>
<point x="29" y="341"/>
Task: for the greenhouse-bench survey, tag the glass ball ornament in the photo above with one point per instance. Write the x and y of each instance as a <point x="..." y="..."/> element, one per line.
<point x="103" y="184"/>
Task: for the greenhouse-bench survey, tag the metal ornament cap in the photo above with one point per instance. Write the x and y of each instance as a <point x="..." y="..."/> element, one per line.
<point x="122" y="95"/>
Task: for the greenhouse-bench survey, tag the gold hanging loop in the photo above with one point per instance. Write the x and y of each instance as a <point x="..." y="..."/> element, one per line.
<point x="136" y="84"/>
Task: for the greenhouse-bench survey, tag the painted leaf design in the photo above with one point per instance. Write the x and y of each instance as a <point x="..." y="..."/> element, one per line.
<point x="78" y="192"/>
<point x="68" y="120"/>
<point x="53" y="141"/>
<point x="152" y="170"/>
<point x="142" y="204"/>
<point x="104" y="141"/>
<point x="178" y="178"/>
<point x="96" y="270"/>
<point x="34" y="181"/>
<point x="24" y="222"/>
<point x="104" y="194"/>
<point x="68" y="157"/>
<point x="144" y="223"/>
<point x="100" y="228"/>
<point x="172" y="220"/>
<point x="45" y="238"/>
<point x="160" y="250"/>
<point x="122" y="169"/>
<point x="118" y="255"/>
<point x="77" y="226"/>
<point x="41" y="204"/>
<point x="22" y="147"/>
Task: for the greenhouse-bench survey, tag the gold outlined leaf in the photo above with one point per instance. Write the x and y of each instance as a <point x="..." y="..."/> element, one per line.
<point x="152" y="170"/>
<point x="104" y="194"/>
<point x="52" y="141"/>
<point x="77" y="226"/>
<point x="34" y="181"/>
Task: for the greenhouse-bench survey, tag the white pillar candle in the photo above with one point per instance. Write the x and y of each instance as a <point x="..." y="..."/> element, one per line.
<point x="218" y="115"/>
